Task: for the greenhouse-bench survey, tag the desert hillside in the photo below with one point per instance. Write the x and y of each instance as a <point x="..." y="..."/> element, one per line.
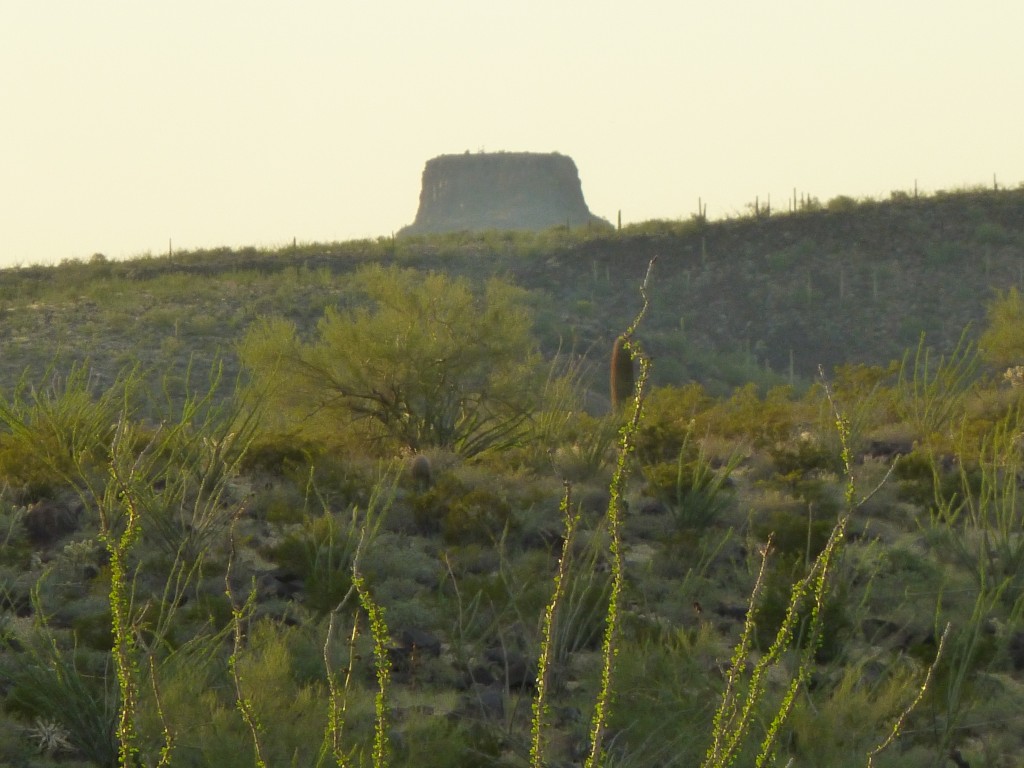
<point x="575" y="497"/>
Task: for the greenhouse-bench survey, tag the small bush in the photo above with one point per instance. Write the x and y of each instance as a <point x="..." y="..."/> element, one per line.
<point x="320" y="552"/>
<point x="277" y="455"/>
<point x="795" y="532"/>
<point x="775" y="599"/>
<point x="461" y="514"/>
<point x="52" y="687"/>
<point x="695" y="491"/>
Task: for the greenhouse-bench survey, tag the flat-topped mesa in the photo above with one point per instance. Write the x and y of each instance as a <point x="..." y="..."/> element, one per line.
<point x="505" y="190"/>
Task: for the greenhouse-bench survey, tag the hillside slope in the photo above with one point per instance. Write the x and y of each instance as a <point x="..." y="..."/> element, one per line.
<point x="849" y="282"/>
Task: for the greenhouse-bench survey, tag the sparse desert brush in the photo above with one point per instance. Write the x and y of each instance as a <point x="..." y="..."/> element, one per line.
<point x="478" y="584"/>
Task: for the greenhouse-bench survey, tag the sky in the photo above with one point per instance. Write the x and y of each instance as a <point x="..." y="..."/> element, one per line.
<point x="127" y="127"/>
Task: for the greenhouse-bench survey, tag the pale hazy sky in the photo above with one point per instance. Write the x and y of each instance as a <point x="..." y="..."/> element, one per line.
<point x="125" y="124"/>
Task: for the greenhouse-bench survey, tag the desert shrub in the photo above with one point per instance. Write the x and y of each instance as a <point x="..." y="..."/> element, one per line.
<point x="770" y="613"/>
<point x="341" y="481"/>
<point x="419" y="360"/>
<point x="764" y="421"/>
<point x="198" y="702"/>
<point x="1002" y="342"/>
<point x="839" y="722"/>
<point x="481" y="515"/>
<point x="664" y="702"/>
<point x="671" y="415"/>
<point x="865" y="393"/>
<point x="493" y="607"/>
<point x="319" y="551"/>
<point x="54" y="686"/>
<point x="587" y="447"/>
<point x="805" y="455"/>
<point x="277" y="454"/>
<point x="462" y="514"/>
<point x="979" y="519"/>
<point x="930" y="392"/>
<point x="51" y="434"/>
<point x="212" y="610"/>
<point x="585" y="600"/>
<point x="794" y="531"/>
<point x="431" y="506"/>
<point x="925" y="480"/>
<point x="842" y="204"/>
<point x="280" y="504"/>
<point x="695" y="492"/>
<point x="27" y="476"/>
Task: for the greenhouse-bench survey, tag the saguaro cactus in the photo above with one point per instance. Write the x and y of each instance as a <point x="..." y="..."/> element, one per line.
<point x="622" y="372"/>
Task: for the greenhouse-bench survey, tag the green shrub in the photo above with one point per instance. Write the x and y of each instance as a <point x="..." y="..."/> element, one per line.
<point x="280" y="505"/>
<point x="664" y="703"/>
<point x="462" y="514"/>
<point x="51" y="687"/>
<point x="277" y="454"/>
<point x="798" y="533"/>
<point x="671" y="415"/>
<point x="417" y="359"/>
<point x="695" y="491"/>
<point x="771" y="611"/>
<point x="924" y="481"/>
<point x="587" y="448"/>
<point x="764" y="421"/>
<point x="52" y="435"/>
<point x="798" y="458"/>
<point x="319" y="552"/>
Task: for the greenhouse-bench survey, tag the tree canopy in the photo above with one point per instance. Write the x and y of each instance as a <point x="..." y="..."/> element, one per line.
<point x="418" y="358"/>
<point x="1002" y="343"/>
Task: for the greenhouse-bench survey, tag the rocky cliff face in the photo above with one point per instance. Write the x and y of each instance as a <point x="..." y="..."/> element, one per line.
<point x="508" y="190"/>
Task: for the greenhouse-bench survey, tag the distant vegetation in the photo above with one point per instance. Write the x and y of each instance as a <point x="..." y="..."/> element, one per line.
<point x="764" y="297"/>
<point x="370" y="503"/>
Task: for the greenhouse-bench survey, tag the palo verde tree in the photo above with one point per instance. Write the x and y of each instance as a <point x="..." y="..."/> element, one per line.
<point x="1002" y="342"/>
<point x="420" y="359"/>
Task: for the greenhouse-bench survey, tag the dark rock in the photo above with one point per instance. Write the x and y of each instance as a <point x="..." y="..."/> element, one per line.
<point x="594" y="501"/>
<point x="410" y="647"/>
<point x="735" y="612"/>
<point x="887" y="450"/>
<point x="20" y="604"/>
<point x="47" y="522"/>
<point x="485" y="701"/>
<point x="280" y="583"/>
<point x="1016" y="650"/>
<point x="419" y="641"/>
<point x="507" y="190"/>
<point x="478" y="674"/>
<point x="544" y="538"/>
<point x="514" y="668"/>
<point x="653" y="507"/>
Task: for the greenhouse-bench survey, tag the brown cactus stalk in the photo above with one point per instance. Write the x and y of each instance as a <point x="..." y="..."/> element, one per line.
<point x="622" y="373"/>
